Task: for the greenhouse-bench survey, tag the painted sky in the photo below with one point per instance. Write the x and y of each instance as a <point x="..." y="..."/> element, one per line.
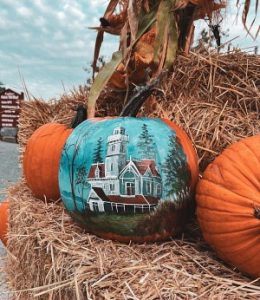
<point x="50" y="43"/>
<point x="84" y="138"/>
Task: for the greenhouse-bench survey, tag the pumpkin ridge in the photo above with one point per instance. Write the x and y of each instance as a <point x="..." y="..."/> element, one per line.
<point x="240" y="153"/>
<point x="206" y="211"/>
<point x="246" y="201"/>
<point x="248" y="254"/>
<point x="256" y="163"/>
<point x="245" y="142"/>
<point x="254" y="183"/>
<point x="231" y="229"/>
<point x="228" y="190"/>
<point x="230" y="245"/>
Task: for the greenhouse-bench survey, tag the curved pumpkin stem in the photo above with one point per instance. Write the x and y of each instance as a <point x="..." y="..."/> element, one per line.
<point x="257" y="212"/>
<point x="133" y="106"/>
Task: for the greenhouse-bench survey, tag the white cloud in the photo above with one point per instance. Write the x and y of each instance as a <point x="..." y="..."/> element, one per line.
<point x="42" y="6"/>
<point x="24" y="11"/>
<point x="40" y="21"/>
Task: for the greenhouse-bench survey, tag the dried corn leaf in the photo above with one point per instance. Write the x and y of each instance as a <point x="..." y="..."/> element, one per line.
<point x="101" y="81"/>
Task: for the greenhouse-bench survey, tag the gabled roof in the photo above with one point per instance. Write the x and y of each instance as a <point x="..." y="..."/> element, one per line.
<point x="10" y="91"/>
<point x="143" y="165"/>
<point x="101" y="167"/>
<point x="100" y="193"/>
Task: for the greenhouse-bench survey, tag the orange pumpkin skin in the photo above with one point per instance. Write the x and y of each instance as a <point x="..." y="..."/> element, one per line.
<point x="228" y="202"/>
<point x="41" y="160"/>
<point x="4" y="208"/>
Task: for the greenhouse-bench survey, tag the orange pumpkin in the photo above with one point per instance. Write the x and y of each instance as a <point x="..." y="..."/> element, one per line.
<point x="129" y="179"/>
<point x="4" y="207"/>
<point x="228" y="205"/>
<point x="41" y="160"/>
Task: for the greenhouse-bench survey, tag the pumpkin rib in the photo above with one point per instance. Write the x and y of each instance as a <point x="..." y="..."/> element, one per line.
<point x="32" y="176"/>
<point x="243" y="255"/>
<point x="233" y="180"/>
<point x="220" y="215"/>
<point x="233" y="227"/>
<point x="220" y="188"/>
<point x="244" y="176"/>
<point x="235" y="249"/>
<point x="204" y="197"/>
<point x="251" y="178"/>
<point x="41" y="159"/>
<point x="228" y="241"/>
<point x="246" y="244"/>
<point x="248" y="145"/>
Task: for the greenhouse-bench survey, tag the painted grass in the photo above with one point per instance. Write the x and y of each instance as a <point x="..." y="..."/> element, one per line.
<point x="120" y="224"/>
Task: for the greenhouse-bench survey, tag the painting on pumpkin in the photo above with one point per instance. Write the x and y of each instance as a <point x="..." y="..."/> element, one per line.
<point x="119" y="175"/>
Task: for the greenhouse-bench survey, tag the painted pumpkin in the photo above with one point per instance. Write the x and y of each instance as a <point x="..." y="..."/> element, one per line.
<point x="129" y="178"/>
<point x="4" y="207"/>
<point x="41" y="160"/>
<point x="228" y="205"/>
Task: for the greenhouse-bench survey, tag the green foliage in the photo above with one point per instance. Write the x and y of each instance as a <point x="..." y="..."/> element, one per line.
<point x="98" y="152"/>
<point x="2" y="88"/>
<point x="145" y="144"/>
<point x="175" y="169"/>
<point x="81" y="175"/>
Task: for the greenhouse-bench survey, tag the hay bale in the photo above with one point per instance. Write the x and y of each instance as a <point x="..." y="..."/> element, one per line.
<point x="50" y="257"/>
<point x="216" y="99"/>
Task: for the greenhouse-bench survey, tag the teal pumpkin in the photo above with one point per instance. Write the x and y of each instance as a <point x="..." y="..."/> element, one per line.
<point x="129" y="178"/>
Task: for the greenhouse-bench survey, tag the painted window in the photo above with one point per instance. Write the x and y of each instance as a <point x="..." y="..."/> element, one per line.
<point x="113" y="147"/>
<point x="111" y="167"/>
<point x="159" y="189"/>
<point x="130" y="188"/>
<point x="97" y="173"/>
<point x="95" y="207"/>
<point x="122" y="148"/>
<point x="149" y="187"/>
<point x="112" y="187"/>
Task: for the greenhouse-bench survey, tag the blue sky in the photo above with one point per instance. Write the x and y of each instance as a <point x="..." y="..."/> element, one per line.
<point x="50" y="43"/>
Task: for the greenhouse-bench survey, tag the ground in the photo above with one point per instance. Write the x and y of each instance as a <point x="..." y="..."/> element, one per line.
<point x="9" y="166"/>
<point x="9" y="173"/>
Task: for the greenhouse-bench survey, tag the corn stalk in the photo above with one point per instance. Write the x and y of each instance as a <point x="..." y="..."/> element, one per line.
<point x="173" y="23"/>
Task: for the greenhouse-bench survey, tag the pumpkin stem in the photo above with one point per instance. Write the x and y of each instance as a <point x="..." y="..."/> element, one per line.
<point x="257" y="213"/>
<point x="133" y="106"/>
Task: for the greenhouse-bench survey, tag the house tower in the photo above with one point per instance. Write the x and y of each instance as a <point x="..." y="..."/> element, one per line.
<point x="116" y="152"/>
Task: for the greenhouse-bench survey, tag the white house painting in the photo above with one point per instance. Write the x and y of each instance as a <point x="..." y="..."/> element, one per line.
<point x="120" y="184"/>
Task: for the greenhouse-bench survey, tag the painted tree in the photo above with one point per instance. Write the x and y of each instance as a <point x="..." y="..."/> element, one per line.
<point x="2" y="88"/>
<point x="81" y="175"/>
<point x="146" y="148"/>
<point x="97" y="157"/>
<point x="175" y="171"/>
